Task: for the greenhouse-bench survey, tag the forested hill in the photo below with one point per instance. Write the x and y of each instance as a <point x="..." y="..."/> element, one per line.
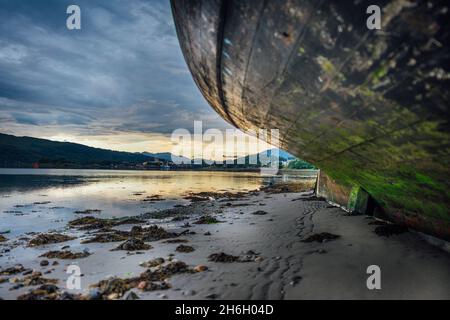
<point x="24" y="151"/>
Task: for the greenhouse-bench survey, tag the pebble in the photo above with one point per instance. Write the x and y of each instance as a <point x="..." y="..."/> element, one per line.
<point x="14" y="280"/>
<point x="189" y="293"/>
<point x="142" y="285"/>
<point x="27" y="272"/>
<point x="94" y="294"/>
<point x="113" y="296"/>
<point x="200" y="268"/>
<point x="44" y="263"/>
<point x="295" y="280"/>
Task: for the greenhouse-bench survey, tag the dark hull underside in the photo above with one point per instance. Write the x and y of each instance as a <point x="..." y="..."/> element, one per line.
<point x="369" y="108"/>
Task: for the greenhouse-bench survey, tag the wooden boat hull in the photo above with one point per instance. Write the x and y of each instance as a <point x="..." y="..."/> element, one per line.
<point x="370" y="108"/>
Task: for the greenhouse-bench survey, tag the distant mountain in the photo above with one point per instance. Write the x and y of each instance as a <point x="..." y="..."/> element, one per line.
<point x="24" y="151"/>
<point x="285" y="155"/>
<point x="167" y="156"/>
<point x="282" y="156"/>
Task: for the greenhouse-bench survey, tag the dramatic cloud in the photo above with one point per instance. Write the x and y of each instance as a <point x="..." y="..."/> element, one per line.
<point x="121" y="74"/>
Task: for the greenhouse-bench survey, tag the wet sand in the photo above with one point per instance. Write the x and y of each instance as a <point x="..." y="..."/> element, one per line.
<point x="280" y="265"/>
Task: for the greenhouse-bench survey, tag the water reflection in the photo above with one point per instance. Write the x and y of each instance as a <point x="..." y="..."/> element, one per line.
<point x="38" y="200"/>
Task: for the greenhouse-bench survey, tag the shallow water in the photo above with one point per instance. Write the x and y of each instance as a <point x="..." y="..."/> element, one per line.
<point x="36" y="200"/>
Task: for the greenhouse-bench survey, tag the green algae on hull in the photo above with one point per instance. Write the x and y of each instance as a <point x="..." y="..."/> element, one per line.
<point x="369" y="108"/>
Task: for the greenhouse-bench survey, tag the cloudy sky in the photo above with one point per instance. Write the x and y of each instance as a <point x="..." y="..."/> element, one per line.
<point x="120" y="82"/>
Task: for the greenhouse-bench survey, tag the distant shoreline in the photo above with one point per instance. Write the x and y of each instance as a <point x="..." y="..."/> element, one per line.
<point x="172" y="169"/>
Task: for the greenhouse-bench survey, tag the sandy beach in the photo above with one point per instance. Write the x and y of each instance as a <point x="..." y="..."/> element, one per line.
<point x="255" y="245"/>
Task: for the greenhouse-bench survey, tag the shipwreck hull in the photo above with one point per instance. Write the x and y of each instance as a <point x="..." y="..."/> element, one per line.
<point x="370" y="108"/>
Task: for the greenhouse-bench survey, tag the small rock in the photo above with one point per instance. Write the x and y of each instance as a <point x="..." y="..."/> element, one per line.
<point x="14" y="280"/>
<point x="200" y="268"/>
<point x="295" y="280"/>
<point x="112" y="296"/>
<point x="132" y="296"/>
<point x="259" y="213"/>
<point x="189" y="293"/>
<point x="94" y="294"/>
<point x="27" y="272"/>
<point x="44" y="263"/>
<point x="142" y="285"/>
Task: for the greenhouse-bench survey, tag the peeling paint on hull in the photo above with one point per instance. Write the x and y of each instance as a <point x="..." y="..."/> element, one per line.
<point x="369" y="108"/>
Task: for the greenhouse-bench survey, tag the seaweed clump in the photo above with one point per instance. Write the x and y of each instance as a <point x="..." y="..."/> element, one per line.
<point x="88" y="211"/>
<point x="92" y="223"/>
<point x="223" y="257"/>
<point x="153" y="233"/>
<point x="390" y="230"/>
<point x="65" y="255"/>
<point x="48" y="292"/>
<point x="113" y="236"/>
<point x="206" y="220"/>
<point x="152" y="263"/>
<point x="115" y="288"/>
<point x="12" y="270"/>
<point x="183" y="248"/>
<point x="49" y="238"/>
<point x="321" y="237"/>
<point x="133" y="244"/>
